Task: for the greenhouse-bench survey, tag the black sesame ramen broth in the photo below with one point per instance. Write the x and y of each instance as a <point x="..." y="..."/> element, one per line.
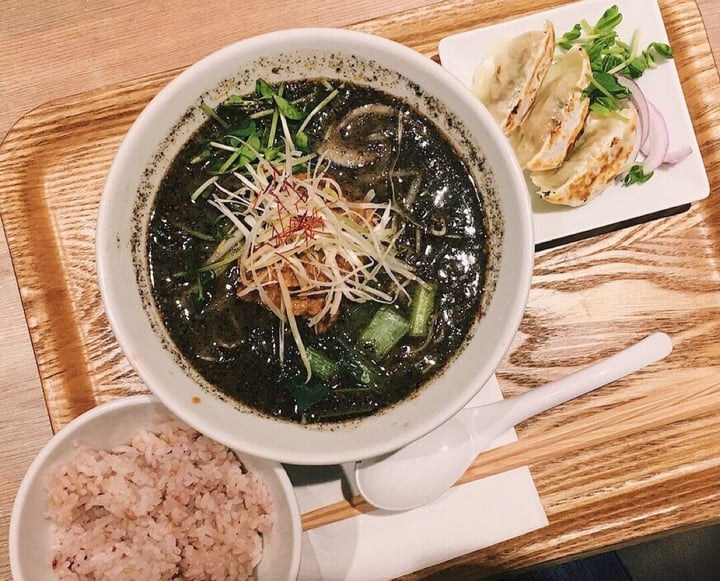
<point x="372" y="141"/>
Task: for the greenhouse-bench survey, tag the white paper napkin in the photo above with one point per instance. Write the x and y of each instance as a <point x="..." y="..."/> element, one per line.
<point x="382" y="545"/>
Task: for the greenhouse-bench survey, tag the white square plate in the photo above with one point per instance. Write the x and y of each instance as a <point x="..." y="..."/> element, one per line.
<point x="670" y="187"/>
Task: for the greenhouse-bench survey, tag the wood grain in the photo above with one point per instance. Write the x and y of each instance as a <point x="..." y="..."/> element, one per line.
<point x="627" y="462"/>
<point x="62" y="47"/>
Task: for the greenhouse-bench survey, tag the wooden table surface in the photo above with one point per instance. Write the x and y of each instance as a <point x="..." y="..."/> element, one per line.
<point x="54" y="49"/>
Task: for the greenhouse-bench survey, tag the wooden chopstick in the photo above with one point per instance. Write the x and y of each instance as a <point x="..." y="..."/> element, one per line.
<point x="483" y="465"/>
<point x="553" y="441"/>
<point x="335" y="512"/>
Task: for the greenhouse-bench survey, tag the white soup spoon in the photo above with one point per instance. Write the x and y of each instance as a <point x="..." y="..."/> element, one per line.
<point x="424" y="469"/>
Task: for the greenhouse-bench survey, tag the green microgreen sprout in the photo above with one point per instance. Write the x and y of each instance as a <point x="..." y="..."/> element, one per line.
<point x="609" y="57"/>
<point x="636" y="175"/>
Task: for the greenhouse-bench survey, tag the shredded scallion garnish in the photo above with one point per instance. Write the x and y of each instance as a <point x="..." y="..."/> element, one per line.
<point x="295" y="235"/>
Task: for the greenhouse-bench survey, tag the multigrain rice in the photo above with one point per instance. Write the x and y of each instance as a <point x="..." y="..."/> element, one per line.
<point x="171" y="505"/>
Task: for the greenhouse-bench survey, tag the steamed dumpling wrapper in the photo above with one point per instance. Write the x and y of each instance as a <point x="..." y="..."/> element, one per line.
<point x="509" y="78"/>
<point x="603" y="152"/>
<point x="556" y="119"/>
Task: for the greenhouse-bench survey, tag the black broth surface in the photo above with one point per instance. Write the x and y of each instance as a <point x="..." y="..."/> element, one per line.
<point x="234" y="344"/>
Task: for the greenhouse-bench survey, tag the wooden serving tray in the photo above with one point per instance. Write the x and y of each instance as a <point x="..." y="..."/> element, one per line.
<point x="588" y="299"/>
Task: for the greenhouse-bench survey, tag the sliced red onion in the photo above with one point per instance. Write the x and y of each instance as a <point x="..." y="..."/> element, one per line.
<point x="654" y="138"/>
<point x="676" y="156"/>
<point x="656" y="146"/>
<point x="637" y="98"/>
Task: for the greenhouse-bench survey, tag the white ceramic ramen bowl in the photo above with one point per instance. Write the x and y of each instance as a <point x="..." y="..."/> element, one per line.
<point x="107" y="426"/>
<point x="173" y="115"/>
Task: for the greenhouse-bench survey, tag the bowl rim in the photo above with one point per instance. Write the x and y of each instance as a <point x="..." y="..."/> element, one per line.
<point x="123" y="332"/>
<point x="64" y="437"/>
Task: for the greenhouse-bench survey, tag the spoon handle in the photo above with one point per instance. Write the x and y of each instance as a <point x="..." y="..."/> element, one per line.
<point x="519" y="408"/>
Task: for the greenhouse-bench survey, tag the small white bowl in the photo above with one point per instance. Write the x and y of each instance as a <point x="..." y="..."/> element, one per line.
<point x="109" y="425"/>
<point x="168" y="121"/>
